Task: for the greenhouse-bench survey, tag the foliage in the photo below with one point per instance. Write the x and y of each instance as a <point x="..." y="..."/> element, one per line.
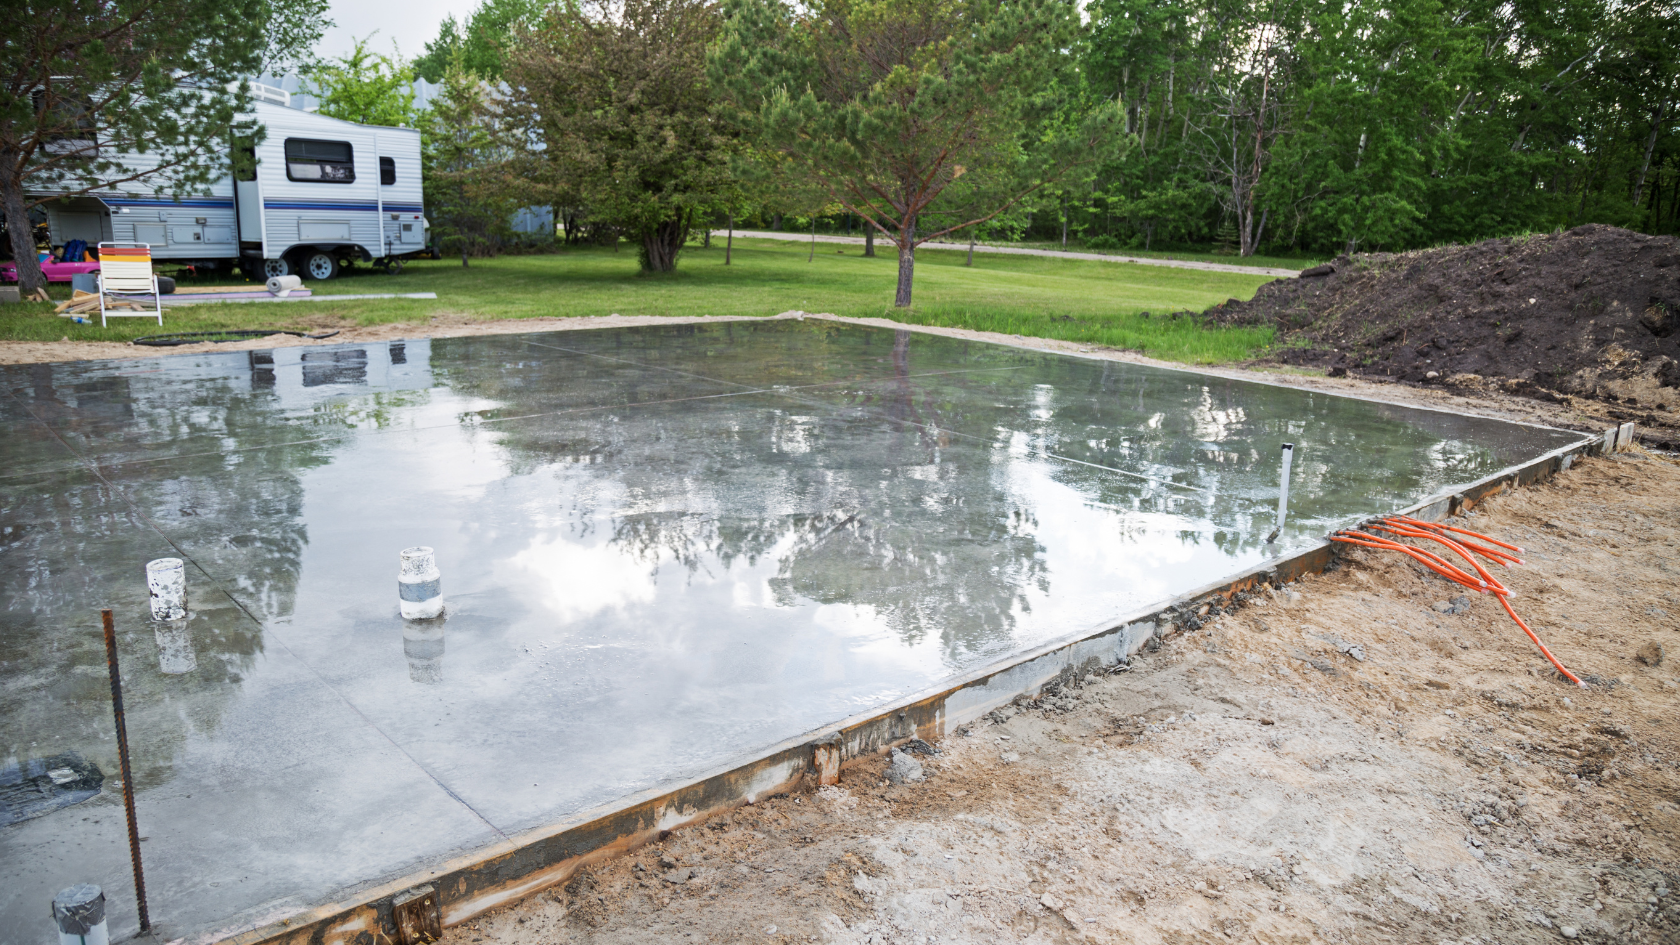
<point x="888" y="104"/>
<point x="481" y="42"/>
<point x="365" y="87"/>
<point x="1391" y="124"/>
<point x="471" y="149"/>
<point x="86" y="84"/>
<point x="620" y="102"/>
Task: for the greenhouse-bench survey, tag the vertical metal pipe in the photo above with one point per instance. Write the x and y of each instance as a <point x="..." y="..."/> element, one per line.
<point x="1283" y="490"/>
<point x="127" y="774"/>
<point x="1283" y="493"/>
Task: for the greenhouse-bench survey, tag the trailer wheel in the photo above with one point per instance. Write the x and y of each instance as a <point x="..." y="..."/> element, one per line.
<point x="320" y="266"/>
<point x="275" y="268"/>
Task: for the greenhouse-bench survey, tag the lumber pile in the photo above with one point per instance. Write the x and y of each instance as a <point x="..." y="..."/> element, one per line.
<point x="83" y="303"/>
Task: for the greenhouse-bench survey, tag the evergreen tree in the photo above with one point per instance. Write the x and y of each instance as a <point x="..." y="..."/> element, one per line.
<point x="472" y="150"/>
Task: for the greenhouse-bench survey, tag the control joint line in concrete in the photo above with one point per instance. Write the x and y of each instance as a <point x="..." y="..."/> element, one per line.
<point x="353" y="434"/>
<point x="980" y="439"/>
<point x="911" y="423"/>
<point x="93" y="466"/>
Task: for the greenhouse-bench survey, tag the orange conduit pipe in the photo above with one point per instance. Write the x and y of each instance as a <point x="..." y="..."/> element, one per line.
<point x="1488" y="580"/>
<point x="1484" y="582"/>
<point x="1437" y="526"/>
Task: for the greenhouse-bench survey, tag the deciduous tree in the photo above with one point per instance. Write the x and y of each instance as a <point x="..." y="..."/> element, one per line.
<point x="365" y="87"/>
<point x="626" y="117"/>
<point x="888" y="103"/>
<point x="86" y="85"/>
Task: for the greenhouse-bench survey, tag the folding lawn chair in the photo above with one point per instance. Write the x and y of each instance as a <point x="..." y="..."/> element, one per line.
<point x="126" y="269"/>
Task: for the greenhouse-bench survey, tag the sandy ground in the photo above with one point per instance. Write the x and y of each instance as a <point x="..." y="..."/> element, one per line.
<point x="1251" y="783"/>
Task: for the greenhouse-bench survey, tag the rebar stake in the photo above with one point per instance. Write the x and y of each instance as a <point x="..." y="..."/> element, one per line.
<point x="127" y="774"/>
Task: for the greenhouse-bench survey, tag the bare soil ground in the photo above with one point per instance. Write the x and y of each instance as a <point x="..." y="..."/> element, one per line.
<point x="1592" y="314"/>
<point x="1250" y="783"/>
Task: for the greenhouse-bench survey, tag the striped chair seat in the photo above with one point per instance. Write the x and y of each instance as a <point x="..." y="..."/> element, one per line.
<point x="126" y="269"/>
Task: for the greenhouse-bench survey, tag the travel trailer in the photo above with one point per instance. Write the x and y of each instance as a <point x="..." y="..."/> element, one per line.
<point x="324" y="194"/>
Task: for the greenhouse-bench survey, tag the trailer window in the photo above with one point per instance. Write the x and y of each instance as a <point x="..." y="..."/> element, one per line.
<point x="387" y="170"/>
<point x="326" y="162"/>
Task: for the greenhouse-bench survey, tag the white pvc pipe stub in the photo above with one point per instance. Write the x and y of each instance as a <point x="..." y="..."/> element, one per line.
<point x="80" y="914"/>
<point x="166" y="578"/>
<point x="419" y="584"/>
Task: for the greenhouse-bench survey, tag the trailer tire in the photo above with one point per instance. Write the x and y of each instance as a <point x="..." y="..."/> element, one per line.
<point x="275" y="268"/>
<point x="319" y="265"/>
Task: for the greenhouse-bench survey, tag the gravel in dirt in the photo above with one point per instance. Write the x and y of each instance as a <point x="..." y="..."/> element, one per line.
<point x="1254" y="781"/>
<point x="1592" y="313"/>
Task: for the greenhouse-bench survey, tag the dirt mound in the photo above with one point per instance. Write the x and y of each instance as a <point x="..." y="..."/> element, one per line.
<point x="1593" y="312"/>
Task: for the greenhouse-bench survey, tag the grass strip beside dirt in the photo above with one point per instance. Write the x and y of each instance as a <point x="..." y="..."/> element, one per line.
<point x="1074" y="300"/>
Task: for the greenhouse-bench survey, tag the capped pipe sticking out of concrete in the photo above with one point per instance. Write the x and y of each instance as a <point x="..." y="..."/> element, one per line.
<point x="80" y="914"/>
<point x="166" y="579"/>
<point x="419" y="584"/>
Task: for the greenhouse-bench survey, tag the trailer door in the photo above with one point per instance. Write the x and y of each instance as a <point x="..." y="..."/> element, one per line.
<point x="247" y="194"/>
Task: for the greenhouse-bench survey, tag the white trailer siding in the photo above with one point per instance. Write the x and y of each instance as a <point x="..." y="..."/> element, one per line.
<point x="314" y="212"/>
<point x="361" y="218"/>
<point x="401" y="204"/>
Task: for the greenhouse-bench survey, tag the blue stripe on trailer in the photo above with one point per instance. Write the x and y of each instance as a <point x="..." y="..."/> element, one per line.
<point x="320" y="206"/>
<point x="183" y="204"/>
<point x="396" y="208"/>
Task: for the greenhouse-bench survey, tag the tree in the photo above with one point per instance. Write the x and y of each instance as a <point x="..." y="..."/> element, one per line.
<point x="620" y="98"/>
<point x="86" y="85"/>
<point x="887" y="103"/>
<point x="365" y="87"/>
<point x="482" y="41"/>
<point x="471" y="149"/>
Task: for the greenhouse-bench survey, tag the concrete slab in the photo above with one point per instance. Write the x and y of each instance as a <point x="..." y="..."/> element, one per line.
<point x="662" y="548"/>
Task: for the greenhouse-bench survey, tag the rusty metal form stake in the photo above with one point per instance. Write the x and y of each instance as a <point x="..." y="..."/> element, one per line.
<point x="127" y="775"/>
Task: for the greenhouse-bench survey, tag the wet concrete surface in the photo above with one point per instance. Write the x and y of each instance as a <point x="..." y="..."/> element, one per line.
<point x="662" y="548"/>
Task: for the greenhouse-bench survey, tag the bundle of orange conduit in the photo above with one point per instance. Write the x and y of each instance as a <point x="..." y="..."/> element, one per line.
<point x="1408" y="527"/>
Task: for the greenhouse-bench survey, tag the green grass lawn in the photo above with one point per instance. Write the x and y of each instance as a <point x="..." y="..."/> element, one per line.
<point x="1076" y="300"/>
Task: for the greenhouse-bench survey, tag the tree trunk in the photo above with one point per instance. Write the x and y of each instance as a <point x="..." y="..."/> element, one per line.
<point x="970" y="249"/>
<point x="22" y="235"/>
<point x="869" y="240"/>
<point x="776" y="222"/>
<point x="812" y="255"/>
<point x="906" y="263"/>
<point x="729" y="246"/>
<point x="463" y="256"/>
<point x="661" y="245"/>
<point x="1656" y="125"/>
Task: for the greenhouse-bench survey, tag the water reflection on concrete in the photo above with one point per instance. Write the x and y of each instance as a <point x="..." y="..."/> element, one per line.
<point x="664" y="547"/>
<point x="423" y="646"/>
<point x="175" y="649"/>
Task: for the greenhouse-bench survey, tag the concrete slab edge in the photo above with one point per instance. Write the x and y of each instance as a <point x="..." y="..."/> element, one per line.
<point x="538" y="859"/>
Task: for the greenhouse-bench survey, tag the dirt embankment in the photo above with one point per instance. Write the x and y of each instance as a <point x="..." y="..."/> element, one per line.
<point x="1593" y="313"/>
<point x="1250" y="782"/>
